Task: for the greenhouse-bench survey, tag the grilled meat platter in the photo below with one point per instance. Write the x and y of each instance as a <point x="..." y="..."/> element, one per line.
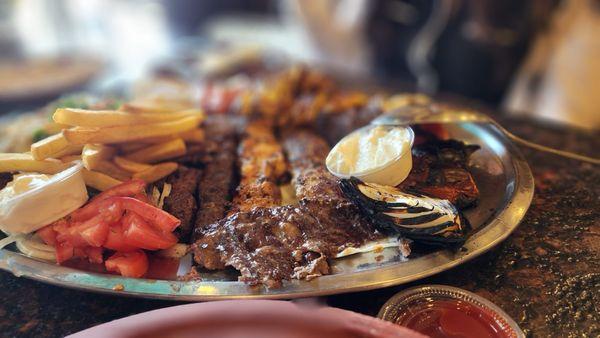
<point x="242" y="183"/>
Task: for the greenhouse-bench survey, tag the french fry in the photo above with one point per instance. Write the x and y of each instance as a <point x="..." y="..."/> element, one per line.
<point x="98" y="180"/>
<point x="111" y="118"/>
<point x="131" y="166"/>
<point x="156" y="172"/>
<point x="70" y="158"/>
<point x="11" y="162"/>
<point x="54" y="146"/>
<point x="93" y="154"/>
<point x="112" y="170"/>
<point x="158" y="152"/>
<point x="131" y="146"/>
<point x="193" y="136"/>
<point x="120" y="134"/>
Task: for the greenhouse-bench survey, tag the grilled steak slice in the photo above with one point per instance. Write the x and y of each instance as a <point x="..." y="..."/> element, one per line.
<point x="182" y="202"/>
<point x="269" y="245"/>
<point x="218" y="175"/>
<point x="262" y="165"/>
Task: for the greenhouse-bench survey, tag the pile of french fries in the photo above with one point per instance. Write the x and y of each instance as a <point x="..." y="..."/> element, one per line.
<point x="136" y="141"/>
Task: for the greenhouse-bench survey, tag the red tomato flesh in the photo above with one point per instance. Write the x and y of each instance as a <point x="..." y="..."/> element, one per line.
<point x="48" y="235"/>
<point x="116" y="239"/>
<point x="128" y="264"/>
<point x="129" y="188"/>
<point x="139" y="233"/>
<point x="157" y="217"/>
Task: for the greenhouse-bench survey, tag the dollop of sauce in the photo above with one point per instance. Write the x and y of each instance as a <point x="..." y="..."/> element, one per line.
<point x="22" y="183"/>
<point x="452" y="318"/>
<point x="32" y="200"/>
<point x="371" y="149"/>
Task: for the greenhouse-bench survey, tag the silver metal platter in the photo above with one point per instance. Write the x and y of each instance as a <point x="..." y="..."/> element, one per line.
<point x="502" y="176"/>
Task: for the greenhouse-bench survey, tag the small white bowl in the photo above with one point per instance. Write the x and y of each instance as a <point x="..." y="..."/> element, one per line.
<point x="391" y="173"/>
<point x="62" y="194"/>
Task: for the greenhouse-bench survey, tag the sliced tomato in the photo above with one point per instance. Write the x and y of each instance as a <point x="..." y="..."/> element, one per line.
<point x="128" y="264"/>
<point x="95" y="235"/>
<point x="155" y="216"/>
<point x="142" y="197"/>
<point x="129" y="188"/>
<point x="140" y="234"/>
<point x="116" y="239"/>
<point x="64" y="252"/>
<point x="48" y="235"/>
<point x="94" y="255"/>
<point x="92" y="232"/>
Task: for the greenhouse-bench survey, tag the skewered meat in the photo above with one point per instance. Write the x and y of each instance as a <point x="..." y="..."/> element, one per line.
<point x="262" y="164"/>
<point x="182" y="202"/>
<point x="269" y="245"/>
<point x="218" y="178"/>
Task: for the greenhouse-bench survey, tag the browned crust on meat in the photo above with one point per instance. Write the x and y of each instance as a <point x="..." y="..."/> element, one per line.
<point x="262" y="164"/>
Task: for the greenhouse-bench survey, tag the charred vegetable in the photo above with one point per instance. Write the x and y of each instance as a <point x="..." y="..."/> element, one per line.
<point x="421" y="218"/>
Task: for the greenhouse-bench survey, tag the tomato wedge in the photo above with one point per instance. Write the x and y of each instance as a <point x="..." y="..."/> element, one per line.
<point x="139" y="233"/>
<point x="47" y="234"/>
<point x="64" y="252"/>
<point x="128" y="264"/>
<point x="129" y="188"/>
<point x="92" y="232"/>
<point x="116" y="239"/>
<point x="94" y="255"/>
<point x="155" y="216"/>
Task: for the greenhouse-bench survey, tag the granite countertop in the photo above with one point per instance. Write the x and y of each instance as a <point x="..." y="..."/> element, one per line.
<point x="546" y="275"/>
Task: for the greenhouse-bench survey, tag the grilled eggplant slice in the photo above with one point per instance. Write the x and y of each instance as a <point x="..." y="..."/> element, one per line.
<point x="423" y="219"/>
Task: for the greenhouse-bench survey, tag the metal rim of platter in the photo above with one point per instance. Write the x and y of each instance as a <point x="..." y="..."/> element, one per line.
<point x="498" y="164"/>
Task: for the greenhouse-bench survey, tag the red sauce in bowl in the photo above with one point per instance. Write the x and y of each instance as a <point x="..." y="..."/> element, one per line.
<point x="452" y="318"/>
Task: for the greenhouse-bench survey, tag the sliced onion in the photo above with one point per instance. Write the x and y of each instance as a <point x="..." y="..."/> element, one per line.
<point x="165" y="193"/>
<point x="33" y="246"/>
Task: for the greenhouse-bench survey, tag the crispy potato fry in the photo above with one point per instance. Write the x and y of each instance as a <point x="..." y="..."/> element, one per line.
<point x="156" y="106"/>
<point x="156" y="172"/>
<point x="111" y="118"/>
<point x="158" y="152"/>
<point x="99" y="181"/>
<point x="10" y="162"/>
<point x="93" y="154"/>
<point x="113" y="170"/>
<point x="55" y="128"/>
<point x="193" y="136"/>
<point x="120" y="134"/>
<point x="70" y="158"/>
<point x="131" y="166"/>
<point x="131" y="146"/>
<point x="54" y="146"/>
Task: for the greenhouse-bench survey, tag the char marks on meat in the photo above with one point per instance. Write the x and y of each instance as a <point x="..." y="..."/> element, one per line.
<point x="268" y="245"/>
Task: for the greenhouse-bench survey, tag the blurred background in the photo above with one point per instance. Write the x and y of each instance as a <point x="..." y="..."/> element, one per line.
<point x="538" y="58"/>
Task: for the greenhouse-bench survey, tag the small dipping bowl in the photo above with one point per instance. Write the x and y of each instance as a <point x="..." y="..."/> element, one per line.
<point x="390" y="173"/>
<point x="62" y="194"/>
<point x="445" y="311"/>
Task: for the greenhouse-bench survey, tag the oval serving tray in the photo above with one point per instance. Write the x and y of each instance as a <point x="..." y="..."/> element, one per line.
<point x="502" y="176"/>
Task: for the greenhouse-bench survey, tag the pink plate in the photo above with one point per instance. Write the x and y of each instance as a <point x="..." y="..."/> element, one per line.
<point x="248" y="318"/>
